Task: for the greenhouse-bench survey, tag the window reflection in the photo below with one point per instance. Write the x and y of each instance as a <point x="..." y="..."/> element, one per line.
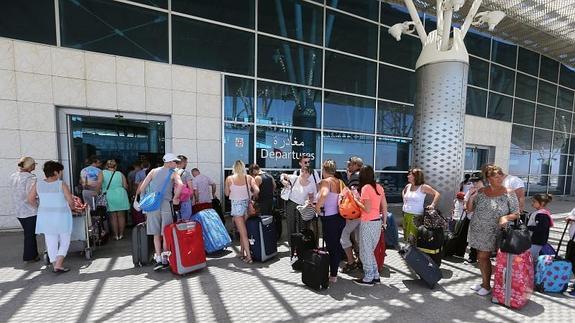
<point x="544" y="117"/>
<point x="393" y="154"/>
<point x="500" y="107"/>
<point x="540" y="163"/>
<point x="502" y="79"/>
<point x="478" y="72"/>
<point x="560" y="143"/>
<point x="403" y="53"/>
<point x="523" y="112"/>
<point x="396" y="84"/>
<point x="525" y="87"/>
<point x="347" y="112"/>
<point x="364" y="8"/>
<point x="349" y="34"/>
<point x="28" y="20"/>
<point x="557" y="185"/>
<point x="278" y="147"/>
<point x="349" y="74"/>
<point x="395" y="119"/>
<point x="287" y="105"/>
<point x="476" y="102"/>
<point x="238" y="99"/>
<point x="519" y="162"/>
<point x="549" y="69"/>
<point x="504" y="53"/>
<point x="567" y="76"/>
<point x="477" y="44"/>
<point x="547" y="93"/>
<point x="293" y="19"/>
<point x="542" y="141"/>
<point x="521" y="137"/>
<point x="341" y="146"/>
<point x="235" y="12"/>
<point x="565" y="99"/>
<point x="238" y="143"/>
<point x="562" y="120"/>
<point x="393" y="184"/>
<point x="528" y="61"/>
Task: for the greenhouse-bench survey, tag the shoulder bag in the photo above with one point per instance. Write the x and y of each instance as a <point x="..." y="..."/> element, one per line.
<point x="347" y="207"/>
<point x="286" y="191"/>
<point x="152" y="201"/>
<point x="101" y="199"/>
<point x="251" y="204"/>
<point x="306" y="211"/>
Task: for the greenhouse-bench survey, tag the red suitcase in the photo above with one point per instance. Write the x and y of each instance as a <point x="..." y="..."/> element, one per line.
<point x="380" y="250"/>
<point x="513" y="279"/>
<point x="186" y="246"/>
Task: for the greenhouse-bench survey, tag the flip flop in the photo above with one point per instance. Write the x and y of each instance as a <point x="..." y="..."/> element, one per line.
<point x="61" y="270"/>
<point x="248" y="261"/>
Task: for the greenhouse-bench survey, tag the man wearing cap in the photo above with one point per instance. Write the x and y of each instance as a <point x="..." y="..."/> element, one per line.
<point x="157" y="220"/>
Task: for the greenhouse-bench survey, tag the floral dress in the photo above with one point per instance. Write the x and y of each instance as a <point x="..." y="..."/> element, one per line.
<point x="484" y="225"/>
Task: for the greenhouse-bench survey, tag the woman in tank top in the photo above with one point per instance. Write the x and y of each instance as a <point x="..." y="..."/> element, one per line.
<point x="54" y="220"/>
<point x="332" y="223"/>
<point x="413" y="203"/>
<point x="240" y="188"/>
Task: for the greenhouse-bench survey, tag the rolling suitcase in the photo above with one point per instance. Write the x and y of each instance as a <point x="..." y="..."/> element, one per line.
<point x="391" y="233"/>
<point x="262" y="237"/>
<point x="186" y="246"/>
<point x="142" y="245"/>
<point x="430" y="242"/>
<point x="315" y="269"/>
<point x="552" y="272"/>
<point x="424" y="266"/>
<point x="137" y="216"/>
<point x="201" y="206"/>
<point x="213" y="231"/>
<point x="379" y="251"/>
<point x="456" y="242"/>
<point x="217" y="205"/>
<point x="301" y="244"/>
<point x="513" y="279"/>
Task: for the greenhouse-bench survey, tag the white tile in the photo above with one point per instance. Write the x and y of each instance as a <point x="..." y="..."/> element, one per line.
<point x="7" y="167"/>
<point x="68" y="63"/>
<point x="209" y="82"/>
<point x="63" y="145"/>
<point x="8" y="221"/>
<point x="34" y="87"/>
<point x="7" y="85"/>
<point x="9" y="144"/>
<point x="208" y="128"/>
<point x="100" y="67"/>
<point x="183" y="127"/>
<point x="131" y="97"/>
<point x="6" y="54"/>
<point x="158" y="100"/>
<point x="158" y="75"/>
<point x="212" y="170"/>
<point x="41" y="145"/>
<point x="184" y="78"/>
<point x="37" y="116"/>
<point x="32" y="58"/>
<point x="129" y="71"/>
<point x="209" y="105"/>
<point x="211" y="151"/>
<point x="69" y="92"/>
<point x="100" y="95"/>
<point x="186" y="147"/>
<point x="184" y="103"/>
<point x="9" y="114"/>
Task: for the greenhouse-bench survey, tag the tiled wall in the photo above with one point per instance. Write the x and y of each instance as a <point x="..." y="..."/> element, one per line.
<point x="489" y="132"/>
<point x="34" y="79"/>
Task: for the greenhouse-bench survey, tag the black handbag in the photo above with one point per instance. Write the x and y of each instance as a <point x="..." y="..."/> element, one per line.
<point x="515" y="239"/>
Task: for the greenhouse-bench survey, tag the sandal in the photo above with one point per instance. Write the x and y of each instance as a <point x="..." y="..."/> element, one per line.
<point x="61" y="270"/>
<point x="248" y="260"/>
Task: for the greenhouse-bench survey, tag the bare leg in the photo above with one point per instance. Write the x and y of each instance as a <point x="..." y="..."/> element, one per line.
<point x="59" y="263"/>
<point x="349" y="254"/>
<point x="244" y="242"/>
<point x="121" y="223"/>
<point x="158" y="244"/>
<point x="485" y="267"/>
<point x="114" y="220"/>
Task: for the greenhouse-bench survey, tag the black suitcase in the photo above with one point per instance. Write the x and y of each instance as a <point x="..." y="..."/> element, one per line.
<point x="423" y="265"/>
<point x="301" y="244"/>
<point x="262" y="237"/>
<point x="430" y="242"/>
<point x="315" y="269"/>
<point x="456" y="242"/>
<point x="142" y="245"/>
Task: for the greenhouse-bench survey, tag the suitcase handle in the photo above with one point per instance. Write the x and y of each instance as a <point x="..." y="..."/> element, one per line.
<point x="561" y="241"/>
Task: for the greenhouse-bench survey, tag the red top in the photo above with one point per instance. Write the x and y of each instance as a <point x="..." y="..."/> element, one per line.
<point x="368" y="195"/>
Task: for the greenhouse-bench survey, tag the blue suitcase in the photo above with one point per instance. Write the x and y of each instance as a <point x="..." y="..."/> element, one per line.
<point x="213" y="231"/>
<point x="262" y="237"/>
<point x="391" y="234"/>
<point x="552" y="273"/>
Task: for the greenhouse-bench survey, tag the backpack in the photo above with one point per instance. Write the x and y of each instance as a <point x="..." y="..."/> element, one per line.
<point x="347" y="206"/>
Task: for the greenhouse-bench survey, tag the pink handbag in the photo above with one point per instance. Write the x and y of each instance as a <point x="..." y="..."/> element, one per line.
<point x="185" y="193"/>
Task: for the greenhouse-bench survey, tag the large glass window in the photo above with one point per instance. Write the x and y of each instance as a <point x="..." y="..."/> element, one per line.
<point x="235" y="12"/>
<point x="340" y="146"/>
<point x="521" y="138"/>
<point x="519" y="162"/>
<point x="544" y="117"/>
<point x="293" y="19"/>
<point x="279" y="147"/>
<point x="476" y="102"/>
<point x="289" y="62"/>
<point x="475" y="158"/>
<point x="114" y="28"/>
<point x="567" y="76"/>
<point x="542" y="141"/>
<point x="563" y="121"/>
<point x="565" y="99"/>
<point x="209" y="46"/>
<point x="500" y="107"/>
<point x="549" y="69"/>
<point x="396" y="84"/>
<point x="287" y="105"/>
<point x="403" y="53"/>
<point x="392" y="14"/>
<point x="393" y="184"/>
<point x="547" y="93"/>
<point x="347" y="112"/>
<point x="28" y="20"/>
<point x="238" y="99"/>
<point x="349" y="74"/>
<point x="395" y="119"/>
<point x="238" y="143"/>
<point x="352" y="35"/>
<point x="478" y="72"/>
<point x="477" y="44"/>
<point x="528" y="61"/>
<point x="364" y="8"/>
<point x="560" y="143"/>
<point x="154" y="3"/>
<point x="393" y="154"/>
<point x="525" y="87"/>
<point x="503" y="53"/>
<point x="502" y="79"/>
<point x="523" y="112"/>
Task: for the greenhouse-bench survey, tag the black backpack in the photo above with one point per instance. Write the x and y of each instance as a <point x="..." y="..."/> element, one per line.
<point x="301" y="243"/>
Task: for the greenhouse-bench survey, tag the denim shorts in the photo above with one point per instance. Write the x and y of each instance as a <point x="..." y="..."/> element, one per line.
<point x="239" y="207"/>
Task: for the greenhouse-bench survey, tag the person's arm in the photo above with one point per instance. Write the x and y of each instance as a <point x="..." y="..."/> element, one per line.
<point x="33" y="196"/>
<point x="227" y="186"/>
<point x="363" y="201"/>
<point x="403" y="192"/>
<point x="255" y="188"/>
<point x="98" y="187"/>
<point x="124" y="181"/>
<point x="258" y="180"/>
<point x="470" y="205"/>
<point x="177" y="187"/>
<point x="144" y="185"/>
<point x="68" y="195"/>
<point x="323" y="191"/>
<point x="513" y="208"/>
<point x="520" y="193"/>
<point x="383" y="208"/>
<point x="213" y="185"/>
<point x="430" y="190"/>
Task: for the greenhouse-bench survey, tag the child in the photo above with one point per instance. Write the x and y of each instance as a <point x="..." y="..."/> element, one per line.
<point x="571" y="253"/>
<point x="458" y="205"/>
<point x="539" y="223"/>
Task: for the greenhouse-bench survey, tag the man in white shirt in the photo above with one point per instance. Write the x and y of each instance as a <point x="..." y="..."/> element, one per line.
<point x="305" y="161"/>
<point x="202" y="184"/>
<point x="516" y="184"/>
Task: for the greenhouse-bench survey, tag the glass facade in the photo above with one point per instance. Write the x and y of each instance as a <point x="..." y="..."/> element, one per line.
<point x="321" y="78"/>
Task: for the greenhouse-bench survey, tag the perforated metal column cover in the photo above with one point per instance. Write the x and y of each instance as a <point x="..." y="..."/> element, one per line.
<point x="439" y="126"/>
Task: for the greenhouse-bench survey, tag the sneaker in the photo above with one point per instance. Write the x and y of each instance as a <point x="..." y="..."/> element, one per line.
<point x="376" y="281"/>
<point x="349" y="267"/>
<point x="483" y="292"/>
<point x="570" y="294"/>
<point x="476" y="288"/>
<point x="471" y="261"/>
<point x="360" y="282"/>
<point x="158" y="266"/>
<point x="332" y="280"/>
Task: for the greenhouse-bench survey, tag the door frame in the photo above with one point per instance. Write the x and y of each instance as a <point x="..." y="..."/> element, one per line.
<point x="65" y="137"/>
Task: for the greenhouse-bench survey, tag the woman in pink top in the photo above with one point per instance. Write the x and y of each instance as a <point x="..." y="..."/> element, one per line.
<point x="372" y="203"/>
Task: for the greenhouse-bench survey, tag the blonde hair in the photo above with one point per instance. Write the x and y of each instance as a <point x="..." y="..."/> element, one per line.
<point x="329" y="166"/>
<point x="239" y="168"/>
<point x="111" y="163"/>
<point x="491" y="170"/>
<point x="26" y="163"/>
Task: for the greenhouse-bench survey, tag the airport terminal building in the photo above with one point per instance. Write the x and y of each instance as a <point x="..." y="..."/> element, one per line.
<point x="267" y="81"/>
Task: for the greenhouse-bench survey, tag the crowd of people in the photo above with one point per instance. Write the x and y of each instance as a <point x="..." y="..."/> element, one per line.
<point x="488" y="201"/>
